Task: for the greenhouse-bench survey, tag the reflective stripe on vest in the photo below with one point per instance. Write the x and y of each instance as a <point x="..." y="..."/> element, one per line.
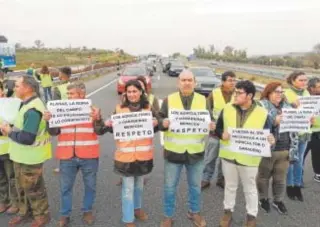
<point x="77" y="140"/>
<point x="181" y="143"/>
<point x="218" y="102"/>
<point x="256" y="120"/>
<point x="128" y="151"/>
<point x="40" y="150"/>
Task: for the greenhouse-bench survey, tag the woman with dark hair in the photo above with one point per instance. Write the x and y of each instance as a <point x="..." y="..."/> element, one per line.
<point x="297" y="82"/>
<point x="46" y="82"/>
<point x="283" y="152"/>
<point x="133" y="158"/>
<point x="154" y="102"/>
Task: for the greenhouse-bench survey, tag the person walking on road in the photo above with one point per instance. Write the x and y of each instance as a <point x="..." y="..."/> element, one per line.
<point x="183" y="151"/>
<point x="77" y="149"/>
<point x="29" y="148"/>
<point x="243" y="113"/>
<point x="60" y="92"/>
<point x="133" y="158"/>
<point x="8" y="194"/>
<point x="314" y="144"/>
<point x="284" y="151"/>
<point x="298" y="87"/>
<point x="217" y="100"/>
<point x="46" y="83"/>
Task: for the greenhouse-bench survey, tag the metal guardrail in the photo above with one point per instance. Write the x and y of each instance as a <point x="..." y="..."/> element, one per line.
<point x="75" y="76"/>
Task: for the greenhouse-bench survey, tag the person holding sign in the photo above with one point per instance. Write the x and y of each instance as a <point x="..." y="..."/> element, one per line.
<point x="244" y="113"/>
<point x="218" y="98"/>
<point x="298" y="87"/>
<point x="60" y="91"/>
<point x="284" y="151"/>
<point x="133" y="126"/>
<point x="184" y="146"/>
<point x="77" y="149"/>
<point x="314" y="144"/>
<point x="29" y="148"/>
<point x="8" y="195"/>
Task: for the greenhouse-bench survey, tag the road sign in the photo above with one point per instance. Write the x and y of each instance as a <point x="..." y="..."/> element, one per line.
<point x="7" y="55"/>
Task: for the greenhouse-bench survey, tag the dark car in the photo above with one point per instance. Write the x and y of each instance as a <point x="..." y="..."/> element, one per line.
<point x="206" y="79"/>
<point x="176" y="68"/>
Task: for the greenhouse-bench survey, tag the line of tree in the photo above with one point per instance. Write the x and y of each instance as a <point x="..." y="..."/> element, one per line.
<point x="230" y="54"/>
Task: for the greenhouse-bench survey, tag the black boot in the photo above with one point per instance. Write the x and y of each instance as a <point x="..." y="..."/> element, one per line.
<point x="298" y="193"/>
<point x="291" y="192"/>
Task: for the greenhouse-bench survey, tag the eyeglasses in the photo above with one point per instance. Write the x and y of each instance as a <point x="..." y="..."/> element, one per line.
<point x="231" y="80"/>
<point x="278" y="92"/>
<point x="239" y="93"/>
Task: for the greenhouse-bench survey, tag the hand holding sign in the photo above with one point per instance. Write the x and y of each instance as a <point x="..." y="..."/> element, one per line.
<point x="95" y="113"/>
<point x="225" y="136"/>
<point x="271" y="139"/>
<point x="47" y="115"/>
<point x="108" y="123"/>
<point x="166" y="123"/>
<point x="212" y="126"/>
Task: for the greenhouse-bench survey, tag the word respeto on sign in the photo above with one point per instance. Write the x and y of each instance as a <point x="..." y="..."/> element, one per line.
<point x="130" y="126"/>
<point x="295" y="120"/>
<point x="189" y="121"/>
<point x="250" y="141"/>
<point x="69" y="112"/>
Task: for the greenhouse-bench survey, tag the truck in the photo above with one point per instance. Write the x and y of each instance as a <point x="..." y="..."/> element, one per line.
<point x="7" y="55"/>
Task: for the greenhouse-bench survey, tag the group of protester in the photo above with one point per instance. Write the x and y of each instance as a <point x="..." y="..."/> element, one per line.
<point x="26" y="145"/>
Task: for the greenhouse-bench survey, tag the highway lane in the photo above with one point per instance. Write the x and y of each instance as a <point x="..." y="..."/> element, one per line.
<point x="108" y="205"/>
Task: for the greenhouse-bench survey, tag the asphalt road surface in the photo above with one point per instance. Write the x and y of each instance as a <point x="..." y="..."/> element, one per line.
<point x="107" y="208"/>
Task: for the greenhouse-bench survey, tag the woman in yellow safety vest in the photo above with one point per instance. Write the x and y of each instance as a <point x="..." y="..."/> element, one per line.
<point x="297" y="82"/>
<point x="46" y="83"/>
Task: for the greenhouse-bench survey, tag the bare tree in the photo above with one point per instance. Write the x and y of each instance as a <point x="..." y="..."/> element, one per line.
<point x="39" y="44"/>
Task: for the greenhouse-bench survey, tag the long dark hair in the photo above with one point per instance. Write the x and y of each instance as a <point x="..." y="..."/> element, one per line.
<point x="144" y="103"/>
<point x="143" y="80"/>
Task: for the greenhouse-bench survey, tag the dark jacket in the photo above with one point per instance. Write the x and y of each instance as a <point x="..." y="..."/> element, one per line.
<point x="137" y="168"/>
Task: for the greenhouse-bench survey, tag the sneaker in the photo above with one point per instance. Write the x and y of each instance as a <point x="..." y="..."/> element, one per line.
<point x="291" y="192"/>
<point x="280" y="207"/>
<point x="197" y="219"/>
<point x="316" y="178"/>
<point x="265" y="205"/>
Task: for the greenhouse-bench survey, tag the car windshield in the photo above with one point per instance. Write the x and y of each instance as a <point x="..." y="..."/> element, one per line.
<point x="202" y="72"/>
<point x="134" y="71"/>
<point x="176" y="64"/>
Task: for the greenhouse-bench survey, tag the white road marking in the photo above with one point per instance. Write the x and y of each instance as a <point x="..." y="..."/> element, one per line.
<point x="101" y="88"/>
<point x="161" y="133"/>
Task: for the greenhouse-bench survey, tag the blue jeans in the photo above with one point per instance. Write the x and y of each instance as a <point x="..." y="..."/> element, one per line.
<point x="171" y="179"/>
<point x="295" y="171"/>
<point x="68" y="172"/>
<point x="211" y="159"/>
<point x="132" y="189"/>
<point x="47" y="94"/>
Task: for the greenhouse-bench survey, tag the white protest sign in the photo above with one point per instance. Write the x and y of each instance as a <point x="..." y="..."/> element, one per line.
<point x="69" y="112"/>
<point x="189" y="121"/>
<point x="310" y="103"/>
<point x="250" y="141"/>
<point x="131" y="126"/>
<point x="9" y="109"/>
<point x="295" y="120"/>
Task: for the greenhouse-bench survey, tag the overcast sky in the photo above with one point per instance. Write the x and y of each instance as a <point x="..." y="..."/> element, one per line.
<point x="164" y="26"/>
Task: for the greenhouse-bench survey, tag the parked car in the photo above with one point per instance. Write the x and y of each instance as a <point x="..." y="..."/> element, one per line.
<point x="176" y="68"/>
<point x="206" y="79"/>
<point x="130" y="73"/>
